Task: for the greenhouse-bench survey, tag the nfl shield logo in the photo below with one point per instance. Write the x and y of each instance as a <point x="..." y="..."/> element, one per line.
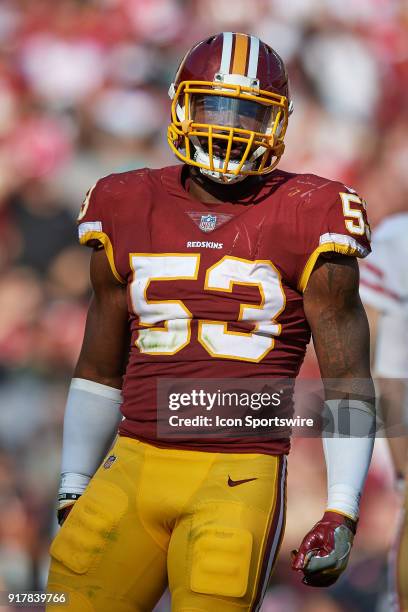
<point x="109" y="461"/>
<point x="208" y="223"/>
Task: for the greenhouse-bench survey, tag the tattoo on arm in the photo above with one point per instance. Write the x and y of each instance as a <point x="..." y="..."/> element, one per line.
<point x="339" y="325"/>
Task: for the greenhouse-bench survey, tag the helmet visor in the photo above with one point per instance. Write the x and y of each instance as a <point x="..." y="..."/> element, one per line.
<point x="232" y="112"/>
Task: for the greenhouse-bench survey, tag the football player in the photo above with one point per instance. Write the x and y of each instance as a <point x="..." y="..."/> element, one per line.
<point x="384" y="290"/>
<point x="221" y="264"/>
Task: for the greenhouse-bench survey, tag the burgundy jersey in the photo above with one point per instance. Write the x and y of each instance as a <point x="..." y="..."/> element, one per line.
<point x="216" y="291"/>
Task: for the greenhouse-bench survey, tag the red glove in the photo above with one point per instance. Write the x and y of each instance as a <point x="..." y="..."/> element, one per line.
<point x="325" y="550"/>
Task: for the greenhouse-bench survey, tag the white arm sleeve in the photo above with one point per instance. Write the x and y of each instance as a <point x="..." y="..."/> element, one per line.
<point x="348" y="457"/>
<point x="91" y="421"/>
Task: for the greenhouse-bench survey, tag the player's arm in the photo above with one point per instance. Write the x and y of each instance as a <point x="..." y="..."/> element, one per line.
<point x="341" y="338"/>
<point x="374" y="318"/>
<point x="92" y="412"/>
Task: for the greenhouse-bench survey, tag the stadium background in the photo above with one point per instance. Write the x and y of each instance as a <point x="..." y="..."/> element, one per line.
<point x="83" y="92"/>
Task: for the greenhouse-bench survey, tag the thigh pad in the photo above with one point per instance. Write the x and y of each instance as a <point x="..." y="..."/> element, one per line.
<point x="221" y="558"/>
<point x="90" y="526"/>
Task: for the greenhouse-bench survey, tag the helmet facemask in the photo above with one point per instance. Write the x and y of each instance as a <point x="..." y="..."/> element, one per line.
<point x="227" y="130"/>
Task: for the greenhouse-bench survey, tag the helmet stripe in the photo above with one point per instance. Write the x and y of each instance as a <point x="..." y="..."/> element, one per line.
<point x="240" y="54"/>
<point x="253" y="58"/>
<point x="226" y="52"/>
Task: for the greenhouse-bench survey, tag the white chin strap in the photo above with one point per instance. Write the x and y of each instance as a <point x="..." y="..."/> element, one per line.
<point x="220" y="177"/>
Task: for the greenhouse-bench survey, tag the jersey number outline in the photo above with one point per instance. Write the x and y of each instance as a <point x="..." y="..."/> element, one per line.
<point x="174" y="332"/>
<point x="355" y="223"/>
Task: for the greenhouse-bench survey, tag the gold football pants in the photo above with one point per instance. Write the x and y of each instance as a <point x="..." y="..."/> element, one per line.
<point x="207" y="524"/>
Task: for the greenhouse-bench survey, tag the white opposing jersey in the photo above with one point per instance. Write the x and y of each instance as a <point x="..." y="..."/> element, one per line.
<point x="384" y="274"/>
<point x="384" y="286"/>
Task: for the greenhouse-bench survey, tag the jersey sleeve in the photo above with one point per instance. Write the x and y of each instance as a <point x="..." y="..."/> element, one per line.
<point x="95" y="221"/>
<point x="334" y="220"/>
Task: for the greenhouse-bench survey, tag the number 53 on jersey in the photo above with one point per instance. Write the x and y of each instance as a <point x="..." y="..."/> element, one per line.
<point x="174" y="332"/>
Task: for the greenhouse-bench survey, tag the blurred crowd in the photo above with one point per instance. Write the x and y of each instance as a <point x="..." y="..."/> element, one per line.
<point x="83" y="93"/>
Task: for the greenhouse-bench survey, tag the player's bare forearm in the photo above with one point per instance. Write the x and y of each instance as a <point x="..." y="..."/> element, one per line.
<point x="105" y="346"/>
<point x="339" y="327"/>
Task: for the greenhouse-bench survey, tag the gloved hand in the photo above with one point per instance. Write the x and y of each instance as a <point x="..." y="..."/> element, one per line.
<point x="325" y="550"/>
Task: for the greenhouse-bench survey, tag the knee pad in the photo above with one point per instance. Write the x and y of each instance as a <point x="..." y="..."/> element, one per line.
<point x="221" y="559"/>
